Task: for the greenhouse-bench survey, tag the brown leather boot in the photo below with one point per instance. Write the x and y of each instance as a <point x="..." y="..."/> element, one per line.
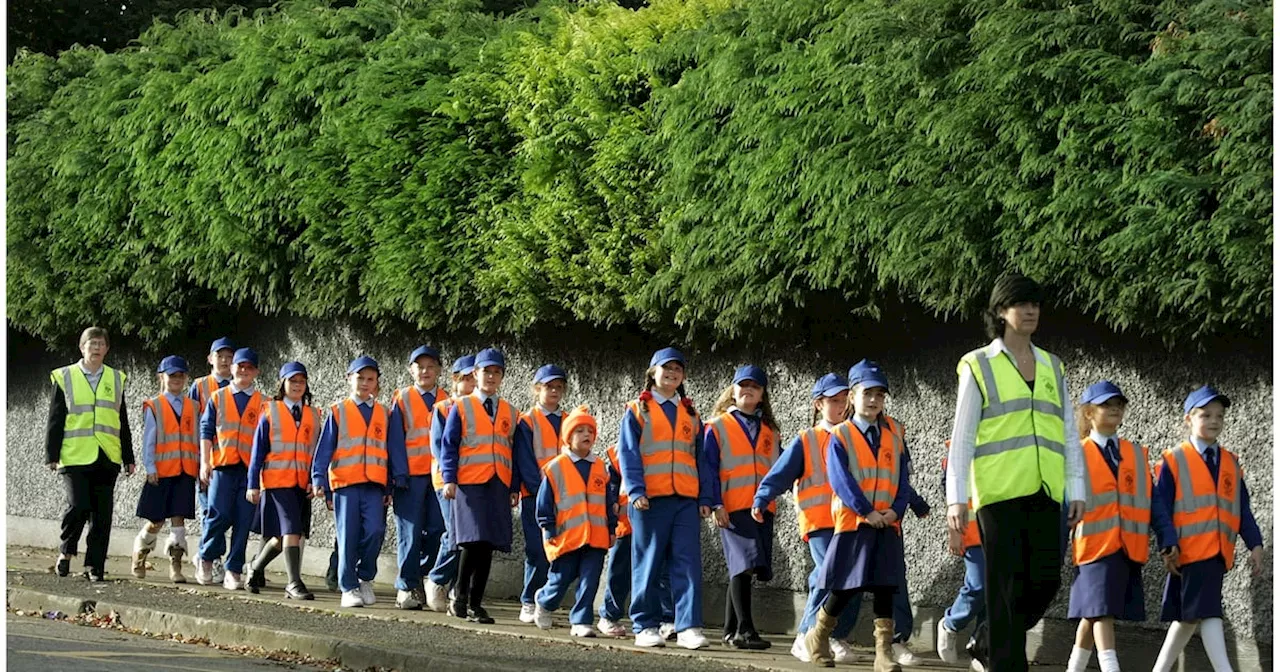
<point x="818" y="640"/>
<point x="884" y="647"/>
<point x="175" y="563"/>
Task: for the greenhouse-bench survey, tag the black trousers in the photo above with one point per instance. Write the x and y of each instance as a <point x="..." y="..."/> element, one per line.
<point x="1022" y="542"/>
<point x="90" y="499"/>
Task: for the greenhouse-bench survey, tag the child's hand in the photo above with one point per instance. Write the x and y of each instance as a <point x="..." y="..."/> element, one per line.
<point x="612" y="540"/>
<point x="449" y="491"/>
<point x="1171" y="561"/>
<point x="515" y="499"/>
<point x="1255" y="560"/>
<point x="1075" y="513"/>
<point x="641" y="503"/>
<point x="153" y="479"/>
<point x="722" y="518"/>
<point x="757" y="515"/>
<point x="889" y="516"/>
<point x="206" y="471"/>
<point x="253" y="495"/>
<point x="51" y="466"/>
<point x="875" y="520"/>
<point x="704" y="512"/>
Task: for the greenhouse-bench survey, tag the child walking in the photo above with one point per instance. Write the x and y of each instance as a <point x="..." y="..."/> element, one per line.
<point x="537" y="442"/>
<point x="444" y="571"/>
<point x="221" y="352"/>
<point x="969" y="606"/>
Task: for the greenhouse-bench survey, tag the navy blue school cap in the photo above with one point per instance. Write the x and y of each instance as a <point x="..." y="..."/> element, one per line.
<point x="1101" y="391"/>
<point x="829" y="386"/>
<point x="753" y="373"/>
<point x="223" y="343"/>
<point x="549" y="373"/>
<point x="666" y="355"/>
<point x="491" y="357"/>
<point x="868" y="374"/>
<point x="364" y="362"/>
<point x="291" y="369"/>
<point x="424" y="350"/>
<point x="246" y="355"/>
<point x="1201" y="398"/>
<point x="172" y="364"/>
<point x="465" y="365"/>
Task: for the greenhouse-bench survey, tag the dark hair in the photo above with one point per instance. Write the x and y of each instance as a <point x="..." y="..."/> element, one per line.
<point x="306" y="392"/>
<point x="1010" y="290"/>
<point x="766" y="407"/>
<point x="817" y="414"/>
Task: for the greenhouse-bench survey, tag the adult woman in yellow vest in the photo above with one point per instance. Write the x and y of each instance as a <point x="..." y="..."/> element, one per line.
<point x="1111" y="542"/>
<point x="1200" y="507"/>
<point x="171" y="458"/>
<point x="537" y="442"/>
<point x="280" y="477"/>
<point x="417" y="512"/>
<point x="741" y="445"/>
<point x="867" y="468"/>
<point x="575" y="512"/>
<point x="475" y="456"/>
<point x="1010" y="431"/>
<point x="444" y="572"/>
<point x="226" y="444"/>
<point x="87" y="440"/>
<point x="221" y="352"/>
<point x="804" y="465"/>
<point x="668" y="486"/>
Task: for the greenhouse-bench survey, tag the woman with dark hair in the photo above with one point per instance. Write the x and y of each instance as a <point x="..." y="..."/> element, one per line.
<point x="1012" y="455"/>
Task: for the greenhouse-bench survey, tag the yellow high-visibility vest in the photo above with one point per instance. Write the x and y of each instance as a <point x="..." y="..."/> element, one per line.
<point x="93" y="417"/>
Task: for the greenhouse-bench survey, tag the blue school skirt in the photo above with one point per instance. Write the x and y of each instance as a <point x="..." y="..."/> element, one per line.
<point x="1196" y="594"/>
<point x="863" y="559"/>
<point x="1110" y="586"/>
<point x="482" y="513"/>
<point x="283" y="511"/>
<point x="171" y="496"/>
<point x="748" y="545"/>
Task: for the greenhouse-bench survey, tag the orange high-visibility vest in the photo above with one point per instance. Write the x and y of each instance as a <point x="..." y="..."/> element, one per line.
<point x="669" y="454"/>
<point x="1117" y="507"/>
<point x="971" y="535"/>
<point x="235" y="432"/>
<point x="1206" y="514"/>
<point x="876" y="474"/>
<point x="205" y="387"/>
<point x="177" y="441"/>
<point x="361" y="453"/>
<point x="417" y="428"/>
<point x="439" y="412"/>
<point x="742" y="466"/>
<point x="288" y="458"/>
<point x="624" y="519"/>
<point x="485" y="450"/>
<point x="581" y="518"/>
<point x="812" y="491"/>
<point x="546" y="443"/>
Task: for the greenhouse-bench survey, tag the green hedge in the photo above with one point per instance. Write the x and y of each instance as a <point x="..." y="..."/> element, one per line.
<point x="702" y="164"/>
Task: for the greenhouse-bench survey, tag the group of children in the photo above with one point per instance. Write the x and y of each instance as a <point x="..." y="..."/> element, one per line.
<point x="452" y="464"/>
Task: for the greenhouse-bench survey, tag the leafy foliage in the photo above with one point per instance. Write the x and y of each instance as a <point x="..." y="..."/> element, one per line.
<point x="707" y="164"/>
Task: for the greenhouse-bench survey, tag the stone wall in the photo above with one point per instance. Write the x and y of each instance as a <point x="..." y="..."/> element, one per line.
<point x="605" y="370"/>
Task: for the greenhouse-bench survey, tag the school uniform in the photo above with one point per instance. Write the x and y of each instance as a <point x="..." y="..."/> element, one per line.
<point x="537" y="442"/>
<point x="1197" y="593"/>
<point x="351" y="465"/>
<point x="1111" y="541"/>
<point x="617" y="582"/>
<point x="575" y="535"/>
<point x="176" y="463"/>
<point x="201" y="389"/>
<point x="444" y="568"/>
<point x="229" y="421"/>
<point x="281" y="467"/>
<point x="969" y="605"/>
<point x="671" y="472"/>
<point x="481" y="511"/>
<point x="419" y="524"/>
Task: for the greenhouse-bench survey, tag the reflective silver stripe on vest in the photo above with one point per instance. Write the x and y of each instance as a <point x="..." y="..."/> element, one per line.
<point x="412" y="430"/>
<point x="471" y="436"/>
<point x="541" y="454"/>
<point x="366" y="459"/>
<point x="1141" y="499"/>
<point x="997" y="407"/>
<point x="817" y="472"/>
<point x="649" y="446"/>
<point x="67" y="392"/>
<point x="187" y="442"/>
<point x="1027" y="441"/>
<point x="669" y="468"/>
<point x="1189" y="502"/>
<point x="564" y="502"/>
<point x="474" y="459"/>
<point x="348" y="441"/>
<point x="280" y="446"/>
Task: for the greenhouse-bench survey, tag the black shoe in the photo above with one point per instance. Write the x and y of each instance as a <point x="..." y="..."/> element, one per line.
<point x="257" y="581"/>
<point x="479" y="615"/>
<point x="457" y="609"/>
<point x="752" y="642"/>
<point x="298" y="591"/>
<point x="63" y="567"/>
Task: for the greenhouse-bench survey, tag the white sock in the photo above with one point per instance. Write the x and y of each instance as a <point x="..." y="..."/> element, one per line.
<point x="179" y="535"/>
<point x="1215" y="644"/>
<point x="1174" y="642"/>
<point x="146" y="534"/>
<point x="1108" y="661"/>
<point x="1079" y="659"/>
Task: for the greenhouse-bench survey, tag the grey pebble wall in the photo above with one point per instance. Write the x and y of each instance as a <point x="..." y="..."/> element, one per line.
<point x="605" y="371"/>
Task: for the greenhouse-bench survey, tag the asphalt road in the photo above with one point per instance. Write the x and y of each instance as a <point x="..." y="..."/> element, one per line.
<point x="35" y="644"/>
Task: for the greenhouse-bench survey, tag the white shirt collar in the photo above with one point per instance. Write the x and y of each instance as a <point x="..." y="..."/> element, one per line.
<point x="1202" y="445"/>
<point x="861" y="424"/>
<point x="291" y="404"/>
<point x="591" y="457"/>
<point x="219" y="379"/>
<point x="757" y="415"/>
<point x="997" y="346"/>
<point x="175" y="398"/>
<point x="822" y="422"/>
<point x="657" y="396"/>
<point x="484" y="397"/>
<point x="547" y="412"/>
<point x="86" y="371"/>
<point x="423" y="390"/>
<point x="1101" y="439"/>
<point x="365" y="402"/>
<point x="235" y="390"/>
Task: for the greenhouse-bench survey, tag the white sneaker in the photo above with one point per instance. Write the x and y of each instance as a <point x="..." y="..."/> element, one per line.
<point x="405" y="599"/>
<point x="799" y="651"/>
<point x="842" y="651"/>
<point x="366" y="593"/>
<point x="947" y="644"/>
<point x="650" y="637"/>
<point x="232" y="581"/>
<point x="668" y="631"/>
<point x="526" y="613"/>
<point x="692" y="639"/>
<point x="610" y="628"/>
<point x="975" y="666"/>
<point x="903" y="656"/>
<point x="541" y="617"/>
<point x="219" y="572"/>
<point x="437" y="596"/>
<point x="352" y="598"/>
<point x="582" y="631"/>
<point x="204" y="572"/>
